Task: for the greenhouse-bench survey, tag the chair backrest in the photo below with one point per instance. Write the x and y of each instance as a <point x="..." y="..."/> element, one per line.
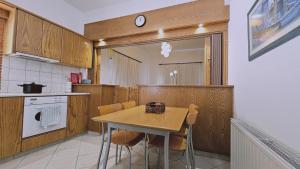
<point x="192" y="115"/>
<point x="129" y="104"/>
<point x="109" y="108"/>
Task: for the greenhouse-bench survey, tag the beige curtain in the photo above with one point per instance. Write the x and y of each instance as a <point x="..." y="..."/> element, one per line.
<point x="117" y="69"/>
<point x="187" y="74"/>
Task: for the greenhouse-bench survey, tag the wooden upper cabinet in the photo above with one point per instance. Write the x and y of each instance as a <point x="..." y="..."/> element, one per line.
<point x="11" y="117"/>
<point x="88" y="52"/>
<point x="29" y="33"/>
<point x="68" y="46"/>
<point x="52" y="41"/>
<point x="42" y="38"/>
<point x="76" y="50"/>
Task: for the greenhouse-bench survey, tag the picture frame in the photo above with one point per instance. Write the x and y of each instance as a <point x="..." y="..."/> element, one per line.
<point x="271" y="23"/>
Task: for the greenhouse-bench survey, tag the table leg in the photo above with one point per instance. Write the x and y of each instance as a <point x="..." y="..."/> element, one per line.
<point x="101" y="146"/>
<point x="146" y="154"/>
<point x="107" y="147"/>
<point x="166" y="150"/>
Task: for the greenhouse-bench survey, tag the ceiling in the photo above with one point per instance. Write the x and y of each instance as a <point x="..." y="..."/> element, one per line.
<point x="88" y="5"/>
<point x="191" y="50"/>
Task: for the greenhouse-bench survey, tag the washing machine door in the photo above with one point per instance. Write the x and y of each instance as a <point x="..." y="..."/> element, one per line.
<point x="32" y="121"/>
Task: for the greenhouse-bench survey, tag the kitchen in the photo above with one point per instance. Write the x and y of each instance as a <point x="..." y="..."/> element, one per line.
<point x="54" y="80"/>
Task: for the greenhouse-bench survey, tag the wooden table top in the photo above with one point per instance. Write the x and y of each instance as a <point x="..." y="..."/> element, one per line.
<point x="171" y="120"/>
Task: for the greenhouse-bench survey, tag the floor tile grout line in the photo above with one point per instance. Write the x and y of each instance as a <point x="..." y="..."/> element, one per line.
<point x="52" y="155"/>
<point x="19" y="163"/>
<point x="78" y="152"/>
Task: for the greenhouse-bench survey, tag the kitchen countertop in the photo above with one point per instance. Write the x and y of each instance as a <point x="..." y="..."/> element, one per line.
<point x="40" y="94"/>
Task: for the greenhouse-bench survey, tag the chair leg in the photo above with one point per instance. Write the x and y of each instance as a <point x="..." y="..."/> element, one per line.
<point x="187" y="159"/>
<point x="129" y="152"/>
<point x="120" y="153"/>
<point x="192" y="157"/>
<point x="116" y="158"/>
<point x="192" y="152"/>
<point x="101" y="146"/>
<point x="146" y="154"/>
<point x="158" y="158"/>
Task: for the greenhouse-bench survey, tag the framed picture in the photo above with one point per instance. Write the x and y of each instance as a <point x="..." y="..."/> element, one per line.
<point x="272" y="23"/>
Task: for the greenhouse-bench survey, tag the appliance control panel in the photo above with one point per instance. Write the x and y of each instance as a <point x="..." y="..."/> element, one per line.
<point x="45" y="100"/>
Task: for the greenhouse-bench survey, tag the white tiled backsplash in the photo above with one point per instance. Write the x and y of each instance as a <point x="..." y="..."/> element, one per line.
<point x="18" y="71"/>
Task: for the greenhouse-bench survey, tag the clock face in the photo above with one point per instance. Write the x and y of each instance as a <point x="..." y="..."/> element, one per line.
<point x="140" y="20"/>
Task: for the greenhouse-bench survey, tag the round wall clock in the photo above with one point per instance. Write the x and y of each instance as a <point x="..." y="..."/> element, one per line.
<point x="140" y="21"/>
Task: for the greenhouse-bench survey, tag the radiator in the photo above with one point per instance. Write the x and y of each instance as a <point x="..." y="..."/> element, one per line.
<point x="252" y="149"/>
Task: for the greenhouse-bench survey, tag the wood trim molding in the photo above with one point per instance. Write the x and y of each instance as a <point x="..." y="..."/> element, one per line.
<point x="182" y="63"/>
<point x="173" y="34"/>
<point x="4" y="14"/>
<point x="178" y="16"/>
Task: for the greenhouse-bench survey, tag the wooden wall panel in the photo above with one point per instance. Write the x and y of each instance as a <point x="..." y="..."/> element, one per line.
<point x="121" y="94"/>
<point x="181" y="33"/>
<point x="11" y="117"/>
<point x="194" y="13"/>
<point x="108" y="93"/>
<point x="134" y="94"/>
<point x="212" y="130"/>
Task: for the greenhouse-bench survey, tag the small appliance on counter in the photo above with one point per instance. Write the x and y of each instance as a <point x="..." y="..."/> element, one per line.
<point x="155" y="107"/>
<point x="68" y="88"/>
<point x="32" y="88"/>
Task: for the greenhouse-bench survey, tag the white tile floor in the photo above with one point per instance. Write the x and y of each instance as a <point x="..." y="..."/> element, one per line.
<point x="82" y="153"/>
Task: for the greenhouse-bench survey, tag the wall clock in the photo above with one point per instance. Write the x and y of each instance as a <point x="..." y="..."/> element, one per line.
<point x="140" y="21"/>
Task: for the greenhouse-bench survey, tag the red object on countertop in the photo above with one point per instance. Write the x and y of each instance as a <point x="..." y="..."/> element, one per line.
<point x="74" y="78"/>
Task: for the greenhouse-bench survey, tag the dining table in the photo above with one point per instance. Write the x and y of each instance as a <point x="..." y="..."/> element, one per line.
<point x="136" y="119"/>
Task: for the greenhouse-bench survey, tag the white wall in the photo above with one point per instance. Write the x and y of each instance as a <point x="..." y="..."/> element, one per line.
<point x="267" y="90"/>
<point x="57" y="11"/>
<point x="127" y="8"/>
<point x="68" y="16"/>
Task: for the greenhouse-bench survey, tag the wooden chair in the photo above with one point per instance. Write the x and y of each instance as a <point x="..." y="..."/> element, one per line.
<point x="180" y="143"/>
<point x="129" y="104"/>
<point x="119" y="137"/>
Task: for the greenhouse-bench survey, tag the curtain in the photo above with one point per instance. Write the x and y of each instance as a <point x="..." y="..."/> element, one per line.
<point x="216" y="64"/>
<point x="187" y="74"/>
<point x="117" y="69"/>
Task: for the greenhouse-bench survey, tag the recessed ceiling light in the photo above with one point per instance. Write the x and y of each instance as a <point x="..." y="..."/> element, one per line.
<point x="200" y="25"/>
<point x="161" y="31"/>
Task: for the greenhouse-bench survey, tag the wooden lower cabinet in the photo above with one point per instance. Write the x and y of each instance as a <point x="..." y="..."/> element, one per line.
<point x="99" y="95"/>
<point x="77" y="115"/>
<point x="43" y="139"/>
<point x="11" y="117"/>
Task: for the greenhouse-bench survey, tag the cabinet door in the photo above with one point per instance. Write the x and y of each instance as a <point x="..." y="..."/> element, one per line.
<point x="82" y="113"/>
<point x="76" y="50"/>
<point x="87" y="52"/>
<point x="52" y="42"/>
<point x="77" y="57"/>
<point x="11" y="117"/>
<point x="67" y="47"/>
<point x="29" y="33"/>
<point x="77" y="115"/>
